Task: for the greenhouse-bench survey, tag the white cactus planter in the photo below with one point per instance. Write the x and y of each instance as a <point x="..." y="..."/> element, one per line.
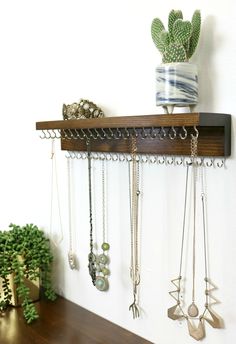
<point x="176" y="85"/>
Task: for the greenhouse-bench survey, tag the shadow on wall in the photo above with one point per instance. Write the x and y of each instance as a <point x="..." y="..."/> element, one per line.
<point x="204" y="59"/>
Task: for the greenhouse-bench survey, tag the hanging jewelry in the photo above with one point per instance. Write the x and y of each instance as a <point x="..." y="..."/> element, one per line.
<point x="102" y="259"/>
<point x="54" y="180"/>
<point x="71" y="254"/>
<point x="91" y="256"/>
<point x="177" y="312"/>
<point x="134" y="214"/>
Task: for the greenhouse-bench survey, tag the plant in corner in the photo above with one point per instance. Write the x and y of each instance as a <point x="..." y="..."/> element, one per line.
<point x="24" y="256"/>
<point x="177" y="80"/>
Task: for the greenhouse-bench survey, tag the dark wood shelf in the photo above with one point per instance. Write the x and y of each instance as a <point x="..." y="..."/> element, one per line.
<point x="62" y="322"/>
<point x="214" y="133"/>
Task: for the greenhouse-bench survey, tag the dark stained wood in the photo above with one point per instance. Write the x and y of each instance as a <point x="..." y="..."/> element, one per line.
<point x="214" y="133"/>
<point x="124" y="122"/>
<point x="211" y="143"/>
<point x="62" y="322"/>
<point x="178" y="120"/>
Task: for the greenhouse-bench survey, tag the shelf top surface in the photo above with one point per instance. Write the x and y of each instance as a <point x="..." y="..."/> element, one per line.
<point x="167" y="120"/>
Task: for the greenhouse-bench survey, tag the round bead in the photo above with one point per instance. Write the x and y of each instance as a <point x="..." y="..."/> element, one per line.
<point x="103" y="259"/>
<point x="105" y="246"/>
<point x="105" y="271"/>
<point x="101" y="283"/>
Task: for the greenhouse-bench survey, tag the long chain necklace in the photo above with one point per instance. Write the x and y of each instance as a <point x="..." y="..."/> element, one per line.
<point x="54" y="180"/>
<point x="71" y="254"/>
<point x="91" y="256"/>
<point x="134" y="226"/>
<point x="177" y="312"/>
<point x="103" y="259"/>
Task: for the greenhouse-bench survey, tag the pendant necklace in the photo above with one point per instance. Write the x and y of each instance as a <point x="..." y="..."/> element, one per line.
<point x="195" y="321"/>
<point x="71" y="254"/>
<point x="54" y="180"/>
<point x="102" y="260"/>
<point x="134" y="227"/>
<point x="91" y="256"/>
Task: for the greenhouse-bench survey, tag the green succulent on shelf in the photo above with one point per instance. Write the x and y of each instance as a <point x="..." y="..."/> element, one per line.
<point x="180" y="41"/>
<point x="24" y="255"/>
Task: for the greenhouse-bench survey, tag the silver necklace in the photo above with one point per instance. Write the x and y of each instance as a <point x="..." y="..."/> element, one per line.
<point x="102" y="260"/>
<point x="134" y="227"/>
<point x="71" y="254"/>
<point x="91" y="256"/>
<point x="195" y="321"/>
<point x="54" y="180"/>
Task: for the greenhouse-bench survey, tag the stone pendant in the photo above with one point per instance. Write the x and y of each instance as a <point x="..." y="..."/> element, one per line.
<point x="214" y="320"/>
<point x="197" y="333"/>
<point x="193" y="310"/>
<point x="172" y="313"/>
<point x="71" y="260"/>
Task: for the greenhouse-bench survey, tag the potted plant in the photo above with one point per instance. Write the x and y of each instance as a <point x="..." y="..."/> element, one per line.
<point x="177" y="79"/>
<point x="25" y="260"/>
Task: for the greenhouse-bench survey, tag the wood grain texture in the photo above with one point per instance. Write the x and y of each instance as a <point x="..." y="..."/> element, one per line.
<point x="214" y="133"/>
<point x="62" y="322"/>
<point x="211" y="143"/>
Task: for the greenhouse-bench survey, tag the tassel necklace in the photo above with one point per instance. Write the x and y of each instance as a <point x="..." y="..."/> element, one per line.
<point x="195" y="321"/>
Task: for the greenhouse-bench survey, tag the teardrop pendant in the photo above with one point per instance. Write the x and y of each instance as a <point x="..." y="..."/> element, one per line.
<point x="193" y="310"/>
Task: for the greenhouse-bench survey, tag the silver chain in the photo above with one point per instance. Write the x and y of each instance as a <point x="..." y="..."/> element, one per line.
<point x="134" y="210"/>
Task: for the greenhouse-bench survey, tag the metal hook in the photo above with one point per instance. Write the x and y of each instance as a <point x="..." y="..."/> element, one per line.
<point x="183" y="137"/>
<point x="104" y="134"/>
<point x="44" y="135"/>
<point x="179" y="161"/>
<point x="58" y="133"/>
<point x="92" y="135"/>
<point x="134" y="132"/>
<point x="172" y="130"/>
<point x="49" y="134"/>
<point x="64" y="134"/>
<point x="144" y="134"/>
<point x="196" y="132"/>
<point x="126" y="134"/>
<point x="117" y="134"/>
<point x="77" y="134"/>
<point x="211" y="163"/>
<point x="161" y="162"/>
<point x="115" y="157"/>
<point x="221" y="163"/>
<point x="111" y="133"/>
<point x="153" y="135"/>
<point x="162" y="133"/>
<point x="170" y="160"/>
<point x="85" y="136"/>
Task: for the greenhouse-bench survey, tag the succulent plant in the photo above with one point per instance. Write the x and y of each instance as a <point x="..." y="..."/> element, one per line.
<point x="180" y="41"/>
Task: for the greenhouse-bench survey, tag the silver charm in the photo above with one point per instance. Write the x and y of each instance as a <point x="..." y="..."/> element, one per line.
<point x="71" y="260"/>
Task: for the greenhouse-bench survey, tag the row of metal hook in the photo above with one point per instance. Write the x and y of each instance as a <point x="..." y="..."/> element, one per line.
<point x="120" y="133"/>
<point x="151" y="159"/>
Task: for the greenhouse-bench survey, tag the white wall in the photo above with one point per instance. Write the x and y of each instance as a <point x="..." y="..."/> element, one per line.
<point x="55" y="52"/>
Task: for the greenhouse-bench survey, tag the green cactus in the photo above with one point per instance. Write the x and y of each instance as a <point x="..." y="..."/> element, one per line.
<point x="180" y="42"/>
<point x="196" y="26"/>
<point x="173" y="16"/>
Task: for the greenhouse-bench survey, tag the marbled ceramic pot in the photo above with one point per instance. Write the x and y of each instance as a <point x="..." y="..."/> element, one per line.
<point x="176" y="85"/>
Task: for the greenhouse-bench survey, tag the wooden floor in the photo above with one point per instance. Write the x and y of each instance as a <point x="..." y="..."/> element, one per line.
<point x="62" y="322"/>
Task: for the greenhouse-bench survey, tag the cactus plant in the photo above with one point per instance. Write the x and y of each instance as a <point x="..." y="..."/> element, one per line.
<point x="180" y="41"/>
